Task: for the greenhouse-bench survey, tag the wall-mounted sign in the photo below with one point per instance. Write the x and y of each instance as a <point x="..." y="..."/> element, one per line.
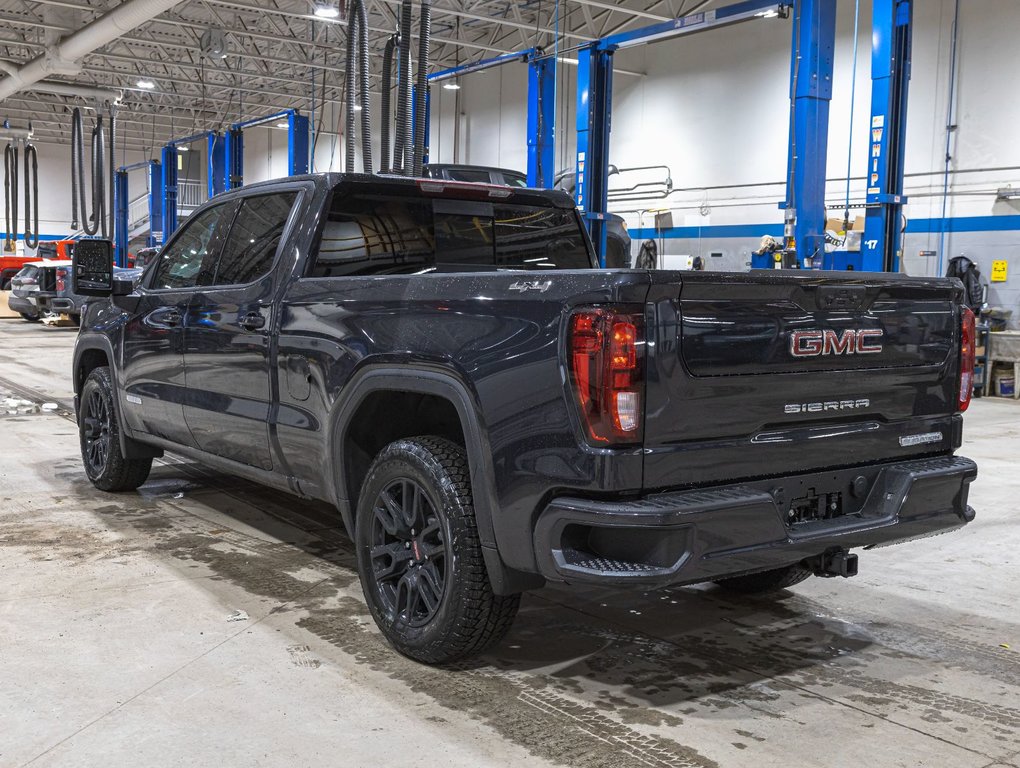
<point x="999" y="271"/>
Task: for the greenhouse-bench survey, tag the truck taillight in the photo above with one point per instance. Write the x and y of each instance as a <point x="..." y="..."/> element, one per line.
<point x="606" y="361"/>
<point x="968" y="339"/>
<point x="61" y="279"/>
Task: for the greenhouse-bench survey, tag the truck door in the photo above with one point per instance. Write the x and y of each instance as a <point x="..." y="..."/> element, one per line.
<point x="152" y="372"/>
<point x="227" y="341"/>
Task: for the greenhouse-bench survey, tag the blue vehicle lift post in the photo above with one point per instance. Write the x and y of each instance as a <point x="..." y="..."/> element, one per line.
<point x="297" y="145"/>
<point x="216" y="159"/>
<point x="814" y="43"/>
<point x="541" y="125"/>
<point x="155" y="204"/>
<point x="594" y="98"/>
<point x="169" y="189"/>
<point x="121" y="201"/>
<point x="542" y="122"/>
<point x="890" y="81"/>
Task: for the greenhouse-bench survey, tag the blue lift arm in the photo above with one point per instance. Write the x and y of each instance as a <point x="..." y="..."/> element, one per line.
<point x="890" y="81"/>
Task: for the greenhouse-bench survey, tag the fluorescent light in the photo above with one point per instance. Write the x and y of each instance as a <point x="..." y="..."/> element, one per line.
<point x="451" y="85"/>
<point x="326" y="11"/>
<point x="357" y="107"/>
<point x="282" y="125"/>
<point x="146" y="84"/>
<point x="183" y="149"/>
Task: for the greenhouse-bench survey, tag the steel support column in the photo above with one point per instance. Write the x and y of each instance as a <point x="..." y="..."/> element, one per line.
<point x="155" y="204"/>
<point x="594" y="105"/>
<point x="169" y="189"/>
<point x="297" y="144"/>
<point x="542" y="122"/>
<point x="120" y="218"/>
<point x="814" y="42"/>
<point x="216" y="155"/>
<point x="890" y="80"/>
<point x="234" y="148"/>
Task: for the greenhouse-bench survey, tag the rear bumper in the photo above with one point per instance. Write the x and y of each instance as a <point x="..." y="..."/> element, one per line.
<point x="22" y="305"/>
<point x="700" y="535"/>
<point x="64" y="306"/>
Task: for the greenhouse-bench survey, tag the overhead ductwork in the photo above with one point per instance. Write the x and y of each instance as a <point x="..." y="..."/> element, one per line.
<point x="80" y="91"/>
<point x="62" y="58"/>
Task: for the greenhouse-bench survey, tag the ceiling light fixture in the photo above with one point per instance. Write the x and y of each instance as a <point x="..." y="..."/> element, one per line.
<point x="146" y="84"/>
<point x="770" y="13"/>
<point x="182" y="149"/>
<point x="282" y="125"/>
<point x="357" y="107"/>
<point x="451" y="85"/>
<point x="326" y="11"/>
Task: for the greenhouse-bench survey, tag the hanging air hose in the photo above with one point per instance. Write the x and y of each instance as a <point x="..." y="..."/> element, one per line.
<point x="112" y="170"/>
<point x="11" y="195"/>
<point x="90" y="223"/>
<point x="424" y="38"/>
<point x="98" y="176"/>
<point x="357" y="63"/>
<point x="402" y="141"/>
<point x="31" y="197"/>
<point x="385" y="118"/>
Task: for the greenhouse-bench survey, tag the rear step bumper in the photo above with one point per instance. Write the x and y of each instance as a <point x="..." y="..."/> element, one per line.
<point x="685" y="537"/>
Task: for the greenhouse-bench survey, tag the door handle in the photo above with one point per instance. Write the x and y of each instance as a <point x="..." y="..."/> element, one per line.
<point x="252" y="321"/>
<point x="171" y="318"/>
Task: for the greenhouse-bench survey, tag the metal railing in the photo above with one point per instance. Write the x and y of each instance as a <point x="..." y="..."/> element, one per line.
<point x="190" y="195"/>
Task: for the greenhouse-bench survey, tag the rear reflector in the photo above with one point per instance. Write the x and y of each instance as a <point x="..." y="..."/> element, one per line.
<point x="968" y="339"/>
<point x="606" y="360"/>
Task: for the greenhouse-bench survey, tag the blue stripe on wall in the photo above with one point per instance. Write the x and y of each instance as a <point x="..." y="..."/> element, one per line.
<point x="914" y="226"/>
<point x="3" y="236"/>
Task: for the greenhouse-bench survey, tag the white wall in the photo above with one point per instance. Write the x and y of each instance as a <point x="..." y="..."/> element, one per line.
<point x="714" y="107"/>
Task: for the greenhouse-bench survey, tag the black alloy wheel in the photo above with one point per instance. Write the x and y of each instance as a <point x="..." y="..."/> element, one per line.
<point x="408" y="553"/>
<point x="100" y="437"/>
<point x="95" y="433"/>
<point x="420" y="559"/>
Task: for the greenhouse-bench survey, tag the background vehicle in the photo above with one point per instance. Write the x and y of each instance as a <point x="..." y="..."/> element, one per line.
<point x="617" y="239"/>
<point x="47" y="286"/>
<point x="489" y="412"/>
<point x="24" y="287"/>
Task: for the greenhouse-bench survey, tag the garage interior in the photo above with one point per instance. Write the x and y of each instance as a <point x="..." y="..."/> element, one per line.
<point x="205" y="618"/>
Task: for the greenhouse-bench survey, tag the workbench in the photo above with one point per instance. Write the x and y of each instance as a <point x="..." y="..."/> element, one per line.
<point x="1004" y="347"/>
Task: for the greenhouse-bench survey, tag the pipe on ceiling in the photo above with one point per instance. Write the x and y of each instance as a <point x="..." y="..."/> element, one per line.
<point x="111" y="95"/>
<point x="62" y="57"/>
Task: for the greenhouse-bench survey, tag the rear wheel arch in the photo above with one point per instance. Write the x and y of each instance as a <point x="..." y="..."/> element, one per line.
<point x="387" y="404"/>
<point x="437" y="385"/>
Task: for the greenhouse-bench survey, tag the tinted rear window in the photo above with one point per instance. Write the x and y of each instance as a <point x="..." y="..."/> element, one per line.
<point x="405" y="234"/>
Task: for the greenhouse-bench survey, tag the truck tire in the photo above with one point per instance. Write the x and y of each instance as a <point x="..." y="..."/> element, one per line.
<point x="30" y="318"/>
<point x="419" y="555"/>
<point x="99" y="434"/>
<point x="766" y="581"/>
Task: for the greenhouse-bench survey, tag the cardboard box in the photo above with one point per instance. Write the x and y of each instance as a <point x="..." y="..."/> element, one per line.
<point x="5" y="310"/>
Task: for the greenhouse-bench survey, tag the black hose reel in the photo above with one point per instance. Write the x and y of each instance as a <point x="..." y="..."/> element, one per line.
<point x="93" y="219"/>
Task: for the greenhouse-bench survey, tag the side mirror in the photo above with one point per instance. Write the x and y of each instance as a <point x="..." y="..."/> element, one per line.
<point x="93" y="268"/>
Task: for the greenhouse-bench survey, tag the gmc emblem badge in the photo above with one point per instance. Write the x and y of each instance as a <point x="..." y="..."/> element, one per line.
<point x="817" y="343"/>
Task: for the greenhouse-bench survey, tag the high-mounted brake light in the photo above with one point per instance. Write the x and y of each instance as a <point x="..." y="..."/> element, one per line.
<point x="606" y="359"/>
<point x="968" y="339"/>
<point x="467" y="189"/>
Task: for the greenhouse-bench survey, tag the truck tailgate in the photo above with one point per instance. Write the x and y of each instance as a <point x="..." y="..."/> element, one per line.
<point x="773" y="373"/>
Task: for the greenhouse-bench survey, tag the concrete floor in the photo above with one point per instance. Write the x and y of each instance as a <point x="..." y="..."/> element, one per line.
<point x="117" y="646"/>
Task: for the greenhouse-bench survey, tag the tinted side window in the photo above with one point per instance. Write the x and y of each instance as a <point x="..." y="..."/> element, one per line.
<point x="192" y="253"/>
<point x="539" y="238"/>
<point x="469" y="174"/>
<point x="250" y="248"/>
<point x="375" y="235"/>
<point x="515" y="179"/>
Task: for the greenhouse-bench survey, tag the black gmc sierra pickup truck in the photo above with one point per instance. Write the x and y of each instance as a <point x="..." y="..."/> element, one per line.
<point x="442" y="362"/>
